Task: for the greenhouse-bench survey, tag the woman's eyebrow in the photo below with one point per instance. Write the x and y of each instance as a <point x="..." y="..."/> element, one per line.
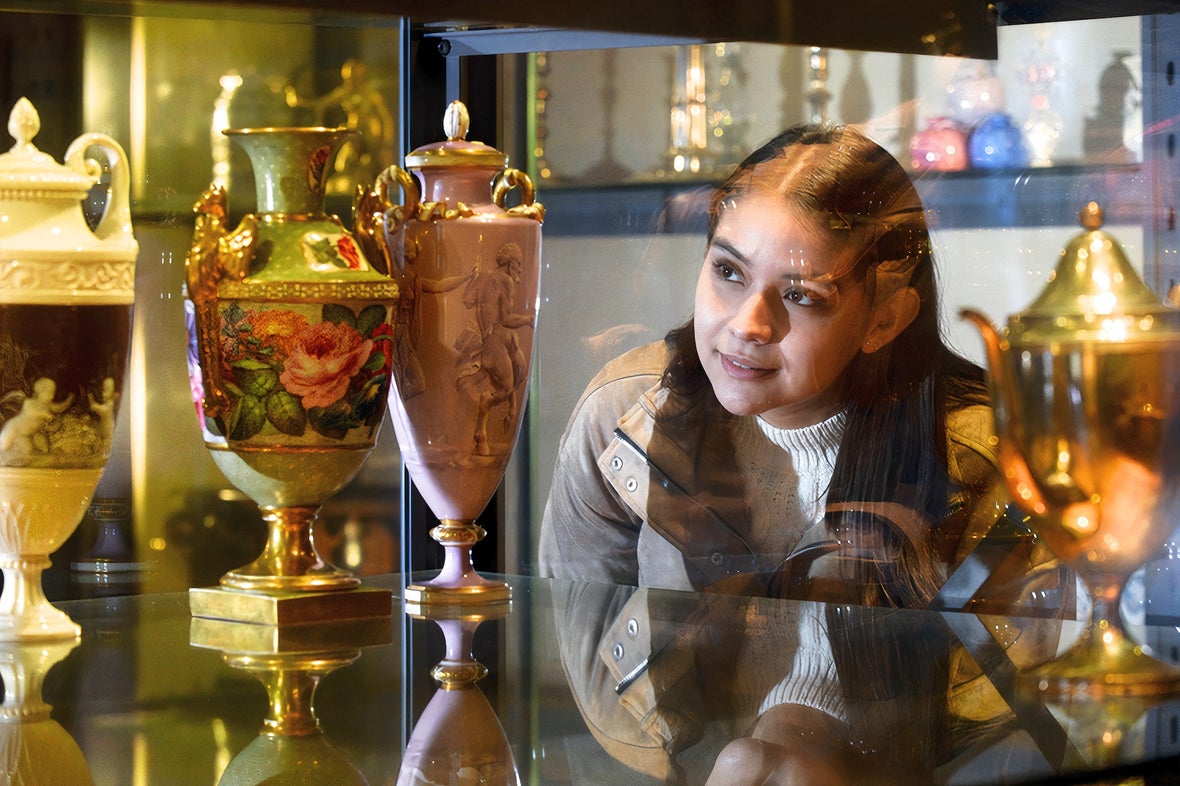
<point x="728" y="248"/>
<point x="800" y="270"/>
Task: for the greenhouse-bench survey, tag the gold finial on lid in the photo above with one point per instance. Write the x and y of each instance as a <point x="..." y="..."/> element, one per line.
<point x="1091" y="216"/>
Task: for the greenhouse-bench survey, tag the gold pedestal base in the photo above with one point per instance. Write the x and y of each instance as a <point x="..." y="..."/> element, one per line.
<point x="289" y="608"/>
<point x="438" y="610"/>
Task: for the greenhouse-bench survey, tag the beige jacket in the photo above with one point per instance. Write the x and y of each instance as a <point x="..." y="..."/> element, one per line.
<point x="641" y="500"/>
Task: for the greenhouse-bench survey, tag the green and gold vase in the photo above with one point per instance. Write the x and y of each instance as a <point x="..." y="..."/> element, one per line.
<point x="291" y="344"/>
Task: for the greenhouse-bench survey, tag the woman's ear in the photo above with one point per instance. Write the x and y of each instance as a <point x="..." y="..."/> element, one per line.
<point x="890" y="317"/>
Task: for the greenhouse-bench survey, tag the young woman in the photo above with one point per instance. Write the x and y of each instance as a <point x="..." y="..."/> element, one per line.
<point x="806" y="434"/>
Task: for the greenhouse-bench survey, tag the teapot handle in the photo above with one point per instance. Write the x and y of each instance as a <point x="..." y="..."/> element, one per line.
<point x="409" y="186"/>
<point x="116" y="215"/>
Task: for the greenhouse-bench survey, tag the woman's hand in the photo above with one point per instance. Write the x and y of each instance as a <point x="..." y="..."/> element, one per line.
<point x="790" y="744"/>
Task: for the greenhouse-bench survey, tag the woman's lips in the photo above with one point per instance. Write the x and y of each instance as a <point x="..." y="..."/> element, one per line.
<point x="741" y="368"/>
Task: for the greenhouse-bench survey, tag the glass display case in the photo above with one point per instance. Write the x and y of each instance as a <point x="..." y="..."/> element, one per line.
<point x="624" y="118"/>
<point x="161" y="78"/>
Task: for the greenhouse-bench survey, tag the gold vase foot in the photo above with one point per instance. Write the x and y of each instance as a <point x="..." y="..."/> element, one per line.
<point x="457" y="584"/>
<point x="289" y="608"/>
<point x="481" y="592"/>
<point x="289" y="562"/>
<point x="1104" y="662"/>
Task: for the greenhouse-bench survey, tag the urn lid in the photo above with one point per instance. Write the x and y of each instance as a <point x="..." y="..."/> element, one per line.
<point x="1094" y="294"/>
<point x="28" y="174"/>
<point x="456" y="151"/>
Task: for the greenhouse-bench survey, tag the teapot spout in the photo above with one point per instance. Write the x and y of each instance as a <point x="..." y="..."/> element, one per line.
<point x="995" y="346"/>
<point x="1006" y="411"/>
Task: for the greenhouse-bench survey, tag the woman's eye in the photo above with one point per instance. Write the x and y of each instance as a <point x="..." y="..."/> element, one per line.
<point x="725" y="271"/>
<point x="801" y="297"/>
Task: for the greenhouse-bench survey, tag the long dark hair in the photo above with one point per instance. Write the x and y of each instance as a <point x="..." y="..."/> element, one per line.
<point x="894" y="444"/>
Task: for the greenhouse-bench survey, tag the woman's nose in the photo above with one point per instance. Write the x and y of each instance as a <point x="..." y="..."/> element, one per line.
<point x="757" y="319"/>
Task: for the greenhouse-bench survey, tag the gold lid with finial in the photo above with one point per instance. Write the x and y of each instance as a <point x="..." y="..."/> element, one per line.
<point x="456" y="151"/>
<point x="1093" y="294"/>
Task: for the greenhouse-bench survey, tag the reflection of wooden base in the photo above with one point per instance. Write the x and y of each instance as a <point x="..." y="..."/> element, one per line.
<point x="289" y="608"/>
<point x="483" y="593"/>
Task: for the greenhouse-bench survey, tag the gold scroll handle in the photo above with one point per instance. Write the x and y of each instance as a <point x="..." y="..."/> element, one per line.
<point x="377" y="204"/>
<point x="528" y="207"/>
<point x="216" y="254"/>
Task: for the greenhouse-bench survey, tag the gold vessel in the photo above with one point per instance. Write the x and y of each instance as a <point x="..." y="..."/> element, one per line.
<point x="1086" y="393"/>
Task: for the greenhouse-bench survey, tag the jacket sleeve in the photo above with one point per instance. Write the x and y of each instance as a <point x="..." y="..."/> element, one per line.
<point x="588" y="533"/>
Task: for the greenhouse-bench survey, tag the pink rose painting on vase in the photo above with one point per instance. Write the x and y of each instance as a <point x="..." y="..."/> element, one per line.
<point x="288" y="370"/>
<point x="323" y="361"/>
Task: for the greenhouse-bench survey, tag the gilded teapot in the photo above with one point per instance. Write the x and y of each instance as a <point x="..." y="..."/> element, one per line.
<point x="1085" y="389"/>
<point x="1077" y="374"/>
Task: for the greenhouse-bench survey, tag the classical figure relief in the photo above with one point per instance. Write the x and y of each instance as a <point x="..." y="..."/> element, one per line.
<point x="492" y="362"/>
<point x="411" y="379"/>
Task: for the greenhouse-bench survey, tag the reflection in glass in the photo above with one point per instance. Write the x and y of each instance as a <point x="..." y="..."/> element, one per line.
<point x="34" y="748"/>
<point x="290" y="662"/>
<point x="1086" y="392"/>
<point x="458" y="739"/>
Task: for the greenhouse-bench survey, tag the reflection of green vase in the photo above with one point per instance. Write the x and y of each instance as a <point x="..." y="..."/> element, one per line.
<point x="281" y="761"/>
<point x="292" y="350"/>
<point x="290" y="661"/>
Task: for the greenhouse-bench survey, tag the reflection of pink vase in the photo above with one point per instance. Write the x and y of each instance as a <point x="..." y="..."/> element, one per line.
<point x="458" y="738"/>
<point x="468" y="271"/>
<point x="940" y="146"/>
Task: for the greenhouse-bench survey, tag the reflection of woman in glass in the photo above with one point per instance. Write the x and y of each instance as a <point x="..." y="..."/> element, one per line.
<point x="806" y="434"/>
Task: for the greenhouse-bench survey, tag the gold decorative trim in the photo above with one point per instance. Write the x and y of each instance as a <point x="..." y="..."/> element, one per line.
<point x="308" y="291"/>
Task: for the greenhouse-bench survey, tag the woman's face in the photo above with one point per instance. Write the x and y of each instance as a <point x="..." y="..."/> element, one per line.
<point x="777" y="322"/>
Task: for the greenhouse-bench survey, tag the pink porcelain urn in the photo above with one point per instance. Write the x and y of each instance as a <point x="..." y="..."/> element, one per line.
<point x="468" y="270"/>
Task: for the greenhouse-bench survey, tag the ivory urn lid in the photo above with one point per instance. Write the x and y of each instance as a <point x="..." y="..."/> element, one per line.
<point x="26" y="173"/>
<point x="41" y="200"/>
<point x="1093" y="295"/>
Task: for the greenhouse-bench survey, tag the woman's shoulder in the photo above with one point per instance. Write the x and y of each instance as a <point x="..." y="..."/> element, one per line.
<point x="620" y="385"/>
<point x="647" y="362"/>
<point x="629" y="375"/>
<point x="971" y="449"/>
